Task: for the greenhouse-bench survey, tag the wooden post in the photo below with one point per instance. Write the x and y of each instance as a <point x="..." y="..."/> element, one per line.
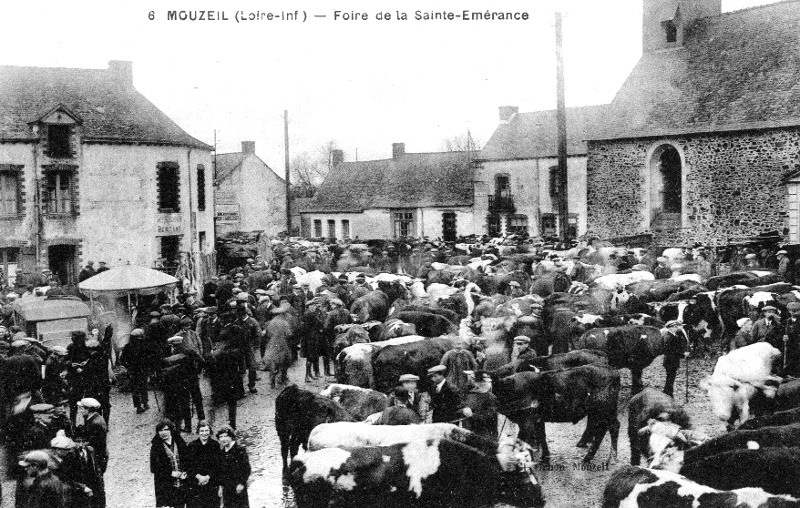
<point x="288" y="193"/>
<point x="561" y="119"/>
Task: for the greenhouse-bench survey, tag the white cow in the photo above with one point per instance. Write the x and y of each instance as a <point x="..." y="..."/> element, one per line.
<point x="737" y="377"/>
<point x="612" y="281"/>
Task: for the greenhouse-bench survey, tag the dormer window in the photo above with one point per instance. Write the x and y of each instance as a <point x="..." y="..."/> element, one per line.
<point x="671" y="31"/>
<point x="58" y="141"/>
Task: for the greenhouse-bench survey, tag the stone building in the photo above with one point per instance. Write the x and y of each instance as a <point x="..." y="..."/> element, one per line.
<point x="409" y="195"/>
<point x="90" y="169"/>
<point x="516" y="176"/>
<point x="249" y="195"/>
<point x="702" y="142"/>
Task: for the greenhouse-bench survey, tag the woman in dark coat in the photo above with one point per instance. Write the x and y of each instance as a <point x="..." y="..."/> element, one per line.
<point x="235" y="470"/>
<point x="168" y="453"/>
<point x="204" y="467"/>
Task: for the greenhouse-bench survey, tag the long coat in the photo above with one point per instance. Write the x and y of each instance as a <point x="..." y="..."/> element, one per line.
<point x="206" y="460"/>
<point x="446" y="403"/>
<point x="167" y="494"/>
<point x="235" y="471"/>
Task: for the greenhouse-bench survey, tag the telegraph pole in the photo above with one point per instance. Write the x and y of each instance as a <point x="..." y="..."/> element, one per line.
<point x="288" y="190"/>
<point x="561" y="119"/>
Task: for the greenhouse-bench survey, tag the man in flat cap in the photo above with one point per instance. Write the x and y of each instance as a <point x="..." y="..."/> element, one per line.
<point x="46" y="490"/>
<point x="136" y="357"/>
<point x="769" y="329"/>
<point x="446" y="401"/>
<point x="406" y="394"/>
<point x="791" y="340"/>
<point x="676" y="346"/>
<point x="662" y="271"/>
<point x="94" y="430"/>
<point x="784" y="264"/>
<point x="338" y="315"/>
<point x="521" y="349"/>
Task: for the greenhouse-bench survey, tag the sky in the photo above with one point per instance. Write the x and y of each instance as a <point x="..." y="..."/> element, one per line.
<point x="363" y="83"/>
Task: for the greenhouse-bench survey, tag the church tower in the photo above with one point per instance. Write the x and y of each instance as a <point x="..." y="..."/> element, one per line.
<point x="664" y="21"/>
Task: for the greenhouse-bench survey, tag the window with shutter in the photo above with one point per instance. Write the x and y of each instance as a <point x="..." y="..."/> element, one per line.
<point x="9" y="194"/>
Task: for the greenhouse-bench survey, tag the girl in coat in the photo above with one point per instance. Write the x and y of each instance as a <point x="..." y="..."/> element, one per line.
<point x="204" y="468"/>
<point x="168" y="454"/>
<point x="235" y="470"/>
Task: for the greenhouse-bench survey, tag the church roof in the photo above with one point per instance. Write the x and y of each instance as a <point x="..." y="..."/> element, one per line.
<point x="413" y="180"/>
<point x="535" y="135"/>
<point x="736" y="71"/>
<point x="110" y="110"/>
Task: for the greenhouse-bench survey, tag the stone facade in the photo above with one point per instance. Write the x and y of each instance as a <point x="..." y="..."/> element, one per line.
<point x="731" y="183"/>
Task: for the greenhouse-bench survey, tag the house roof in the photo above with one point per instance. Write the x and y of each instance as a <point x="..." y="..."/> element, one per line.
<point x="227" y="163"/>
<point x="535" y="135"/>
<point x="736" y="71"/>
<point x="413" y="180"/>
<point x="110" y="110"/>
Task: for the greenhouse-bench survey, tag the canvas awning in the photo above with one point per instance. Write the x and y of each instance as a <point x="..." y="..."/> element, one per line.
<point x="127" y="280"/>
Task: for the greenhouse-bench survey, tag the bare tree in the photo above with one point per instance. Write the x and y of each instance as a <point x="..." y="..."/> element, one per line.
<point x="461" y="143"/>
<point x="309" y="170"/>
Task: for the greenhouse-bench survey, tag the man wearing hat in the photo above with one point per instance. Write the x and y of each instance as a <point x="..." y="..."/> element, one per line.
<point x="662" y="271"/>
<point x="676" y="346"/>
<point x="791" y="339"/>
<point x="768" y="329"/>
<point x="343" y="290"/>
<point x="514" y="289"/>
<point x="407" y="394"/>
<point x="136" y="358"/>
<point x="46" y="490"/>
<point x="521" y="350"/>
<point x="338" y="315"/>
<point x="88" y="271"/>
<point x="751" y="261"/>
<point x="784" y="265"/>
<point x="94" y="430"/>
<point x="251" y="342"/>
<point x="445" y="399"/>
<point x="361" y="287"/>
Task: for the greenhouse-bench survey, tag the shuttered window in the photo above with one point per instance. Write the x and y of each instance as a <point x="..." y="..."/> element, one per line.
<point x="201" y="187"/>
<point x="10" y="202"/>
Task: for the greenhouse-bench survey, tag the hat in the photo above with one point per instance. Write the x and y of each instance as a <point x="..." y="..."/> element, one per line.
<point x="514" y="283"/>
<point x="522" y="339"/>
<point x="673" y="322"/>
<point x="62" y="441"/>
<point x="59" y="350"/>
<point x="18" y="343"/>
<point x="40" y="408"/>
<point x="261" y="291"/>
<point x="781" y="252"/>
<point x="175" y="340"/>
<point x="741" y="321"/>
<point x="439" y="369"/>
<point x="343" y="277"/>
<point x="750" y="256"/>
<point x="338" y="302"/>
<point x="639" y="267"/>
<point x="242" y="296"/>
<point x="408" y="377"/>
<point x="137" y="332"/>
<point x="89" y="403"/>
<point x="36" y="457"/>
<point x="155" y="314"/>
<point x="236" y="291"/>
<point x="360" y="276"/>
<point x="767" y="308"/>
<point x="793" y="306"/>
<point x="662" y="259"/>
<point x="296" y="286"/>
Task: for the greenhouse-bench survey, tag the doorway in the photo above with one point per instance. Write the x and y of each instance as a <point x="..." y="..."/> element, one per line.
<point x="61" y="261"/>
<point x="666" y="185"/>
<point x="170" y="252"/>
<point x="449" y="229"/>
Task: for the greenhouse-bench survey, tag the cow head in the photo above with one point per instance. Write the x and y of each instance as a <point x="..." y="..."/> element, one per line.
<point x="729" y="398"/>
<point x="585" y="321"/>
<point x="663" y="438"/>
<point x="518" y="483"/>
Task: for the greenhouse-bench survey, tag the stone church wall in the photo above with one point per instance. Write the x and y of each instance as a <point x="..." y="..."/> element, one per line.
<point x="733" y="185"/>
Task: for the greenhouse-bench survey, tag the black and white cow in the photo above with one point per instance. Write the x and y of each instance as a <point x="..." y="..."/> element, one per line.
<point x="766" y="437"/>
<point x="644" y="409"/>
<point x="422" y="473"/>
<point x="636" y="487"/>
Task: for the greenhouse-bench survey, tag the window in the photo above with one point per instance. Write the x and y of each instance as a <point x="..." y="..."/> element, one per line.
<point x="58" y="144"/>
<point x="331" y="229"/>
<point x="549" y="225"/>
<point x="58" y="192"/>
<point x="502" y="186"/>
<point x="10" y="202"/>
<point x="169" y="195"/>
<point x="202" y="241"/>
<point x="201" y="187"/>
<point x="170" y="251"/>
<point x="403" y="224"/>
<point x="671" y="31"/>
<point x="518" y="224"/>
<point x="345" y="229"/>
<point x="317" y="228"/>
<point x="553" y="181"/>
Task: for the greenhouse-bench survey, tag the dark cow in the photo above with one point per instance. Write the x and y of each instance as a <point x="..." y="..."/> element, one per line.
<point x="359" y="402"/>
<point x="432" y="473"/>
<point x="778" y="418"/>
<point x="428" y="324"/>
<point x="559" y="361"/>
<point x="395" y="328"/>
<point x="391" y="362"/>
<point x="351" y="334"/>
<point x="749" y="279"/>
<point x="373" y="306"/>
<point x="765" y="437"/>
<point x="549" y="283"/>
<point x="398" y="415"/>
<point x="635" y="487"/>
<point x="650" y="404"/>
<point x="297" y="412"/>
<point x="660" y="290"/>
<point x="775" y="470"/>
<point x="584" y="322"/>
<point x="450" y="315"/>
<point x="530" y="399"/>
<point x="627" y="347"/>
<point x="733" y="306"/>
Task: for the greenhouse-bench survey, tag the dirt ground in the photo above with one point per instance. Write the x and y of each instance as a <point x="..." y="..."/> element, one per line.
<point x="129" y="483"/>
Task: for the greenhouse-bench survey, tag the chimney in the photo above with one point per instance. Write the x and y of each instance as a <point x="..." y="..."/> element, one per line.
<point x="337" y="157"/>
<point x="248" y="147"/>
<point x="398" y="149"/>
<point x="506" y="112"/>
<point x="121" y="71"/>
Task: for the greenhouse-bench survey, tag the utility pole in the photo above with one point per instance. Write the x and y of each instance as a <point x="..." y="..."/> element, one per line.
<point x="561" y="119"/>
<point x="288" y="193"/>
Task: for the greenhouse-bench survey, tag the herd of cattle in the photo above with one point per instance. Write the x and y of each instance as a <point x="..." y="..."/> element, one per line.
<point x="583" y="334"/>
